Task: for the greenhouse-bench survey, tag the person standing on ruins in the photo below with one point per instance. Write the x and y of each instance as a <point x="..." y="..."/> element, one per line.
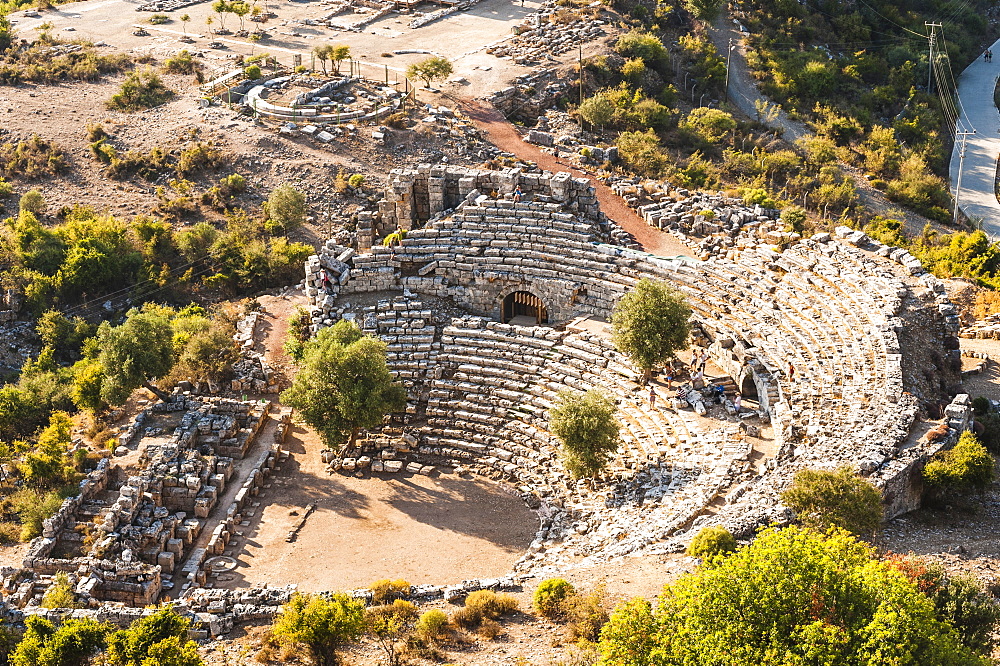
<point x="325" y="280"/>
<point x="737" y="402"/>
<point x="652" y="397"/>
<point x="791" y="372"/>
<point x="518" y="194"/>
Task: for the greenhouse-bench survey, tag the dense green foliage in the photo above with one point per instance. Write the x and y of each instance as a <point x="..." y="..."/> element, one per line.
<point x="855" y="70"/>
<point x="182" y="63"/>
<point x="823" y="499"/>
<point x="650" y="324"/>
<point x="59" y="593"/>
<point x="90" y="255"/>
<point x="343" y="384"/>
<point x="792" y="596"/>
<point x="587" y="428"/>
<point x="966" y="466"/>
<point x="711" y="541"/>
<point x="156" y="640"/>
<point x="320" y="624"/>
<point x="134" y="353"/>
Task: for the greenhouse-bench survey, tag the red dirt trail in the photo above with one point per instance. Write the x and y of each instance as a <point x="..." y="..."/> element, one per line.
<point x="506" y="137"/>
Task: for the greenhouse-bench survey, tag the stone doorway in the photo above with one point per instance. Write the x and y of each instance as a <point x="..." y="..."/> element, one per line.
<point x="748" y="389"/>
<point x="524" y="308"/>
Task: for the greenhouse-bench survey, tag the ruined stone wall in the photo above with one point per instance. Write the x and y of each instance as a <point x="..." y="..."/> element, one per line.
<point x="418" y="195"/>
<point x="900" y="478"/>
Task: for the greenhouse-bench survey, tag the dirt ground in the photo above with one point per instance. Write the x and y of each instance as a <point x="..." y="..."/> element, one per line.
<point x="426" y="529"/>
<point x="439" y="529"/>
<point x="986" y="383"/>
<point x="461" y="37"/>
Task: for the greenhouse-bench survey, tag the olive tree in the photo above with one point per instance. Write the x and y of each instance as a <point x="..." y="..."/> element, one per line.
<point x="134" y="354"/>
<point x="286" y="207"/>
<point x="430" y="69"/>
<point x="321" y="624"/>
<point x="337" y="55"/>
<point x="822" y="499"/>
<point x="588" y="430"/>
<point x="793" y="596"/>
<point x="343" y="384"/>
<point x="650" y="324"/>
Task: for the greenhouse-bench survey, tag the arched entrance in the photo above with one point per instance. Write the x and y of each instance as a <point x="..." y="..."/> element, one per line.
<point x="748" y="392"/>
<point x="523" y="307"/>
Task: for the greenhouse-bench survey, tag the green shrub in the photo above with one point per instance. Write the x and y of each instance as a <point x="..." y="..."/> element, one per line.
<point x="286" y="207"/>
<point x="103" y="151"/>
<point x="432" y="625"/>
<point x="642" y="152"/>
<point x="385" y="591"/>
<point x="712" y="125"/>
<point x="33" y="202"/>
<point x="491" y="605"/>
<point x="648" y="47"/>
<point x="31" y="159"/>
<point x="182" y="63"/>
<point x="60" y="593"/>
<point x="759" y="196"/>
<point x="142" y="89"/>
<point x="823" y="499"/>
<point x="549" y="596"/>
<point x="711" y="541"/>
<point x="6" y="189"/>
<point x="966" y="466"/>
<point x="320" y="624"/>
<point x="252" y="72"/>
<point x="159" y="19"/>
<point x="794" y="218"/>
<point x="356" y="180"/>
<point x="36" y="63"/>
<point x="33" y="507"/>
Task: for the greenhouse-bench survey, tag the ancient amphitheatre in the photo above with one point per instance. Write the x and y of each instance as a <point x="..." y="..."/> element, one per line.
<point x="843" y="350"/>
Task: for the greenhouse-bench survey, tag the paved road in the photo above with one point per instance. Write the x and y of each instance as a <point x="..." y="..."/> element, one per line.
<point x="977" y="198"/>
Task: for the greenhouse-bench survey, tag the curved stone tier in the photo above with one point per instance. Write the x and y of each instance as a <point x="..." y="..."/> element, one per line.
<point x="480" y="389"/>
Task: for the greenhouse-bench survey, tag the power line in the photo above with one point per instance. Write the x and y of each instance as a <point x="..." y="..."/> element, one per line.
<point x="889" y="20"/>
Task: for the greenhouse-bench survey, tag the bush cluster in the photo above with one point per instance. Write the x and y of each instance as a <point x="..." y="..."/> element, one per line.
<point x="36" y="63"/>
<point x="584" y="613"/>
<point x="30" y="159"/>
<point x="142" y="89"/>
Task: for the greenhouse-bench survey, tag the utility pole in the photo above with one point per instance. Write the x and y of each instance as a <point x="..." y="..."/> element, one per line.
<point x="580" y="65"/>
<point x="961" y="164"/>
<point x="930" y="53"/>
<point x="729" y="58"/>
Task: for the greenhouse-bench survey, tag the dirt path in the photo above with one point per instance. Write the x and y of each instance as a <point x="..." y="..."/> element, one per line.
<point x="743" y="92"/>
<point x="506" y="137"/>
